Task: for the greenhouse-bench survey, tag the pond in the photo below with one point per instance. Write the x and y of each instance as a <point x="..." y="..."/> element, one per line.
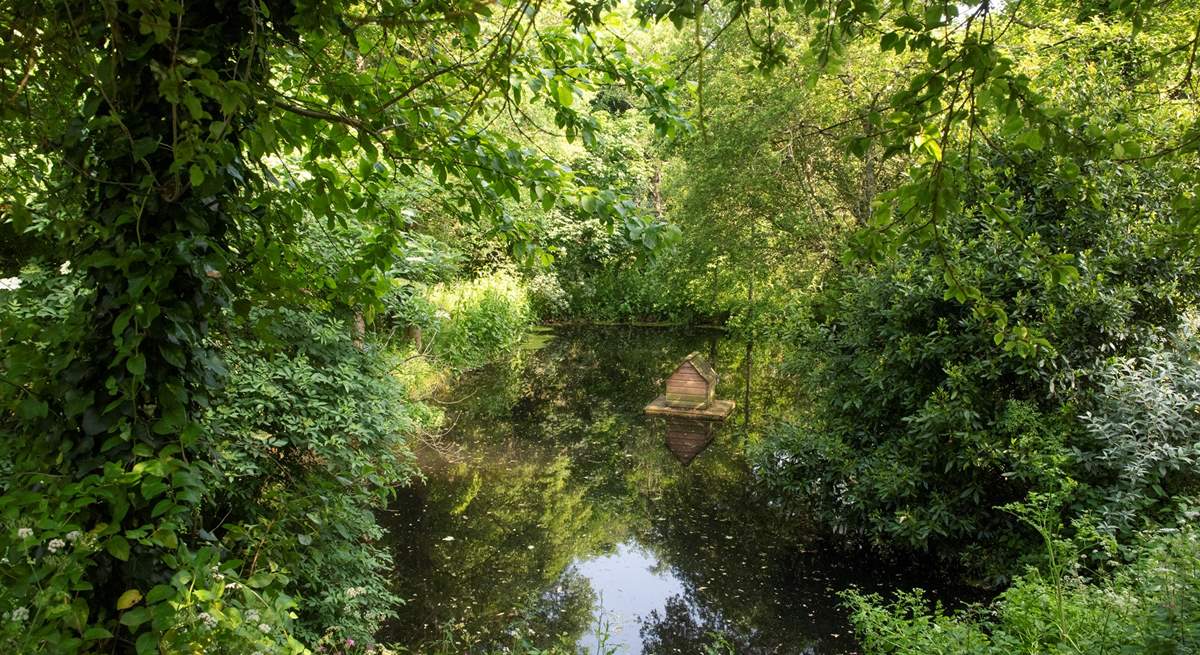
<point x="554" y="510"/>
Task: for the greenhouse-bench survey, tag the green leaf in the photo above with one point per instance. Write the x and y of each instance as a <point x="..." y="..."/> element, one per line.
<point x="162" y="507"/>
<point x="137" y="365"/>
<point x="260" y="580"/>
<point x="565" y="94"/>
<point x="931" y="146"/>
<point x="193" y="106"/>
<point x="165" y="537"/>
<point x="160" y="593"/>
<point x="144" y="146"/>
<point x="32" y="408"/>
<point x="121" y="322"/>
<point x="128" y="599"/>
<point x="933" y="15"/>
<point x="135" y="617"/>
<point x="118" y="547"/>
<point x="96" y="632"/>
<point x="147" y="643"/>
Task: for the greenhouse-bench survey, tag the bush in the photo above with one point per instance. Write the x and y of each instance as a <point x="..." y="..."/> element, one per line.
<point x="927" y="413"/>
<point x="1145" y="426"/>
<point x="303" y="441"/>
<point x="547" y="299"/>
<point x="479" y="320"/>
<point x="1150" y="606"/>
<point x="309" y="436"/>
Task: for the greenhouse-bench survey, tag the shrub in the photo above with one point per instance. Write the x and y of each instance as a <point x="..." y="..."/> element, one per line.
<point x="309" y="435"/>
<point x="479" y="320"/>
<point x="547" y="299"/>
<point x="1150" y="606"/>
<point x="1145" y="426"/>
<point x="927" y="413"/>
<point x="305" y="438"/>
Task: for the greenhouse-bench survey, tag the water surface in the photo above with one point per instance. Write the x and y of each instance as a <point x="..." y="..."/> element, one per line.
<point x="553" y="510"/>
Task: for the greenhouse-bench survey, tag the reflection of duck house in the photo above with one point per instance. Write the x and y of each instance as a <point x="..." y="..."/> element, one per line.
<point x="688" y="437"/>
<point x="690" y="391"/>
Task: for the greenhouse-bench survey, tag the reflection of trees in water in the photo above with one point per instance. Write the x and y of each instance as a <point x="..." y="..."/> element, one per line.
<point x="738" y="565"/>
<point x="561" y="463"/>
<point x="684" y="627"/>
<point x="479" y="546"/>
<point x="681" y="627"/>
<point x="565" y="608"/>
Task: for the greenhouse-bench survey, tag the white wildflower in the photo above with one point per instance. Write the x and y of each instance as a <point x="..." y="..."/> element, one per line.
<point x="65" y="268"/>
<point x="20" y="614"/>
<point x="10" y="283"/>
<point x="74" y="535"/>
<point x="56" y="545"/>
<point x="264" y="628"/>
<point x="209" y="620"/>
<point x="354" y="592"/>
<point x="233" y="586"/>
<point x="24" y="533"/>
<point x="252" y="616"/>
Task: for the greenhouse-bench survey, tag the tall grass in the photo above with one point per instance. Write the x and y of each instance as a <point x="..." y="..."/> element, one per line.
<point x="478" y="321"/>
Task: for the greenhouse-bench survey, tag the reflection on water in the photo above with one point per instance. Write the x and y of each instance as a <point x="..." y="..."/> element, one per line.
<point x="630" y="584"/>
<point x="688" y="437"/>
<point x="556" y="505"/>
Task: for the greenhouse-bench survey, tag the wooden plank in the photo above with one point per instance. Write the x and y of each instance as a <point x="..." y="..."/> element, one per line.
<point x="685" y="396"/>
<point x="687" y="402"/>
<point x="677" y="384"/>
<point x="718" y="410"/>
<point x="698" y="388"/>
<point x="687" y="388"/>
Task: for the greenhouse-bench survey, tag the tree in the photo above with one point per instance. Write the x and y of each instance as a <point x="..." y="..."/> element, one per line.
<point x="971" y="85"/>
<point x="170" y="152"/>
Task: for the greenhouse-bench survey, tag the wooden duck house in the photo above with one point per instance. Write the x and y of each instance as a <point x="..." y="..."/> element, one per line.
<point x="691" y="392"/>
<point x="693" y="384"/>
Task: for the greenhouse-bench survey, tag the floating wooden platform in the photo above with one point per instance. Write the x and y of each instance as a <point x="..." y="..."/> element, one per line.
<point x="719" y="410"/>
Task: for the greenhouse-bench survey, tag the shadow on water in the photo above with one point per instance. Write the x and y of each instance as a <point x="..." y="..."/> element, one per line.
<point x="568" y="508"/>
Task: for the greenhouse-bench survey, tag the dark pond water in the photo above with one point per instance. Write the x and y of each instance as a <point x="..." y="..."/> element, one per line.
<point x="553" y="509"/>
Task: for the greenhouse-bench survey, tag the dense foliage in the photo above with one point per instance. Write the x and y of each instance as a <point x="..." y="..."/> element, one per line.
<point x="240" y="239"/>
<point x="929" y="416"/>
<point x="1150" y="606"/>
<point x="194" y="437"/>
<point x="478" y="321"/>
